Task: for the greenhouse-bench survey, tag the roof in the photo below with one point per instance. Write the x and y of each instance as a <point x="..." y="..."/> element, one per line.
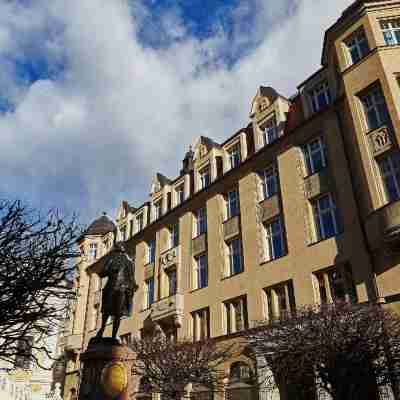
<point x="100" y="226"/>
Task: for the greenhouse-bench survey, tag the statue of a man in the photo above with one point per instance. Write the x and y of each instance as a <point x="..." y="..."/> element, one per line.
<point x="117" y="295"/>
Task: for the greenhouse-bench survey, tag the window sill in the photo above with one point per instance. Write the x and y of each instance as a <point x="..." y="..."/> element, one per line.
<point x="324" y="239"/>
<point x="316" y="172"/>
<point x="198" y="289"/>
<point x="262" y="263"/>
<point x="232" y="276"/>
<point x="231" y="217"/>
<point x="200" y="234"/>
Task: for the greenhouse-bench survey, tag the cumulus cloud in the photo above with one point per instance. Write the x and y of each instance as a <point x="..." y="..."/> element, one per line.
<point x="119" y="111"/>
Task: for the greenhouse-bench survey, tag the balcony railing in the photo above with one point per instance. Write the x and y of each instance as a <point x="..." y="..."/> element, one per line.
<point x="199" y="244"/>
<point x="317" y="184"/>
<point x="231" y="227"/>
<point x="269" y="208"/>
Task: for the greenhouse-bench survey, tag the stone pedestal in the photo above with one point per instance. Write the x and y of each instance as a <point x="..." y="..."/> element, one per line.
<point x="106" y="372"/>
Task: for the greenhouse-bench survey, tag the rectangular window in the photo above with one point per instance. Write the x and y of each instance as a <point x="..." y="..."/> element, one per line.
<point x="174" y="232"/>
<point x="172" y="282"/>
<point x="270" y="131"/>
<point x="234" y="156"/>
<point x="201" y="324"/>
<point x="139" y="222"/>
<point x="269" y="182"/>
<point x="375" y="109"/>
<point x="157" y="209"/>
<point x="126" y="339"/>
<point x="280" y="301"/>
<point x="390" y="172"/>
<point x="93" y="250"/>
<point x="151" y="252"/>
<point x="149" y="292"/>
<point x="391" y="31"/>
<point x="236" y="315"/>
<point x="201" y="221"/>
<point x="335" y="285"/>
<point x="205" y="177"/>
<point x="275" y="240"/>
<point x="315" y="156"/>
<point x="326" y="217"/>
<point x="320" y="96"/>
<point x="180" y="194"/>
<point x="235" y="257"/>
<point x="357" y="46"/>
<point x="232" y="203"/>
<point x="201" y="271"/>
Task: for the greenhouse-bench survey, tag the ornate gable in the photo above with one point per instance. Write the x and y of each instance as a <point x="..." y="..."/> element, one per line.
<point x="264" y="98"/>
<point x="158" y="182"/>
<point x="203" y="146"/>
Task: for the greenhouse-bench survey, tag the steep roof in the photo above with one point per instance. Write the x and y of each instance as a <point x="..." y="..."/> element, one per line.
<point x="100" y="226"/>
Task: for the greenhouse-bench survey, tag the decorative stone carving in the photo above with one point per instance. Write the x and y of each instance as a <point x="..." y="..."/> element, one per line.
<point x="317" y="184"/>
<point x="231" y="228"/>
<point x="199" y="244"/>
<point x="170" y="306"/>
<point x="269" y="208"/>
<point x="170" y="257"/>
<point x="380" y="141"/>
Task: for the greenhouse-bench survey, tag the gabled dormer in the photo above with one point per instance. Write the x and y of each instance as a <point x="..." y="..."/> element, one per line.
<point x="160" y="196"/>
<point x="268" y="114"/>
<point x="125" y="221"/>
<point x="208" y="162"/>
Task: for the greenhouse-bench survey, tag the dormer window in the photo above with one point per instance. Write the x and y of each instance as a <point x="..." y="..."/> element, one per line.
<point x="234" y="156"/>
<point x="157" y="209"/>
<point x="320" y="96"/>
<point x="139" y="222"/>
<point x="180" y="194"/>
<point x="205" y="177"/>
<point x="357" y="46"/>
<point x="270" y="131"/>
<point x="391" y="31"/>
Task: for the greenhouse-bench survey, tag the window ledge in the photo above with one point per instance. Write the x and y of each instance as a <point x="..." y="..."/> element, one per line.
<point x="316" y="172"/>
<point x="232" y="276"/>
<point x="265" y="262"/>
<point x="231" y="217"/>
<point x="198" y="289"/>
<point x="323" y="240"/>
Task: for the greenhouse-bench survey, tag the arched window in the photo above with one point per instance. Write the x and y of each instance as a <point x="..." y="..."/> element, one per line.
<point x="241" y="384"/>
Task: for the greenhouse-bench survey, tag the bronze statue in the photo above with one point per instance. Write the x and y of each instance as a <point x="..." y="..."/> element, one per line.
<point x="117" y="295"/>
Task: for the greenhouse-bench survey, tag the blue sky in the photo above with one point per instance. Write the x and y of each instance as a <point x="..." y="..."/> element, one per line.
<point x="96" y="97"/>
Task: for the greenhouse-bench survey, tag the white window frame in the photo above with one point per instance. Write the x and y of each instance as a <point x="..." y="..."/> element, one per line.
<point x="179" y="194"/>
<point x="230" y="311"/>
<point x="354" y="41"/>
<point x="174" y="231"/>
<point x="157" y="209"/>
<point x="308" y="153"/>
<point x="234" y="156"/>
<point x="169" y="273"/>
<point x="201" y="322"/>
<point x="318" y="216"/>
<point x="147" y="303"/>
<point x="202" y="174"/>
<point x="272" y="305"/>
<point x="372" y="101"/>
<point x="139" y="219"/>
<point x="229" y="211"/>
<point x="393" y="172"/>
<point x="149" y="251"/>
<point x="269" y="236"/>
<point x="93" y="249"/>
<point x="269" y="173"/>
<point x="389" y="28"/>
<point x="316" y="91"/>
<point x="270" y="130"/>
<point x="201" y="214"/>
<point x="197" y="270"/>
<point x="231" y="256"/>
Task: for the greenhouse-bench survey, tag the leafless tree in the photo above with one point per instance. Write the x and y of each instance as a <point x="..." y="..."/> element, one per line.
<point x="346" y="350"/>
<point x="169" y="366"/>
<point x="35" y="265"/>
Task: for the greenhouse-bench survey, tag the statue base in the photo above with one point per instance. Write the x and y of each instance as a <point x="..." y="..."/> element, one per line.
<point x="107" y="367"/>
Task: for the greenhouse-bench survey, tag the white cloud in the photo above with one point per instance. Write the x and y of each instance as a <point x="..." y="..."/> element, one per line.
<point x="121" y="111"/>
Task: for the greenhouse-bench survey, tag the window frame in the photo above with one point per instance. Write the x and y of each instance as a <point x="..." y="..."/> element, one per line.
<point x="269" y="237"/>
<point x="201" y="271"/>
<point x="157" y="209"/>
<point x="230" y="307"/>
<point x="273" y="301"/>
<point x="201" y="221"/>
<point x="174" y="235"/>
<point x="395" y="176"/>
<point x="139" y="219"/>
<point x="265" y="192"/>
<point x="270" y="126"/>
<point x="151" y="251"/>
<point x="354" y="42"/>
<point x="319" y="214"/>
<point x="232" y="204"/>
<point x="234" y="155"/>
<point x="199" y="325"/>
<point x="235" y="254"/>
<point x="315" y="92"/>
<point x="308" y="153"/>
<point x="93" y="250"/>
<point x="172" y="283"/>
<point x="179" y="194"/>
<point x="390" y="29"/>
<point x="205" y="172"/>
<point x="377" y="107"/>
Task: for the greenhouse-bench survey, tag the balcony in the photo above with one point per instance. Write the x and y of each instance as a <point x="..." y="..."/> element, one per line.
<point x="269" y="208"/>
<point x="170" y="257"/>
<point x="383" y="227"/>
<point x="380" y="140"/>
<point x="199" y="244"/>
<point x="317" y="184"/>
<point x="169" y="307"/>
<point x="73" y="343"/>
<point x="148" y="271"/>
<point x="231" y="228"/>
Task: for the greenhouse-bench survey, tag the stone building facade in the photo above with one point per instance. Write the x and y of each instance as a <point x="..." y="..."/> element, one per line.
<point x="301" y="206"/>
